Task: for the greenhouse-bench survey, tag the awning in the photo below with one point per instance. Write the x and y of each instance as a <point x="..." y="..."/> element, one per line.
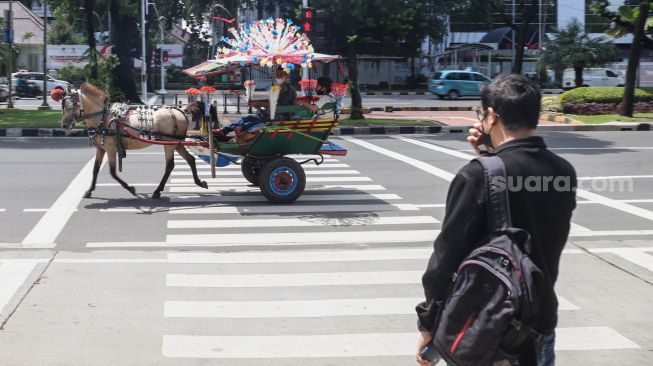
<point x="208" y="68"/>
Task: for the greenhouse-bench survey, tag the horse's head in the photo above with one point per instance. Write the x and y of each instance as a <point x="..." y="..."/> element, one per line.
<point x="70" y="109"/>
<point x="87" y="104"/>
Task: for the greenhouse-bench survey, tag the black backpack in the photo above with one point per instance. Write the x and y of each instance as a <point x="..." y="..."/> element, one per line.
<point x="493" y="303"/>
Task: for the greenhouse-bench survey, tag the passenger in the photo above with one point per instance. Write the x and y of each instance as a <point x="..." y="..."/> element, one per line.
<point x="287" y="95"/>
<point x="323" y="90"/>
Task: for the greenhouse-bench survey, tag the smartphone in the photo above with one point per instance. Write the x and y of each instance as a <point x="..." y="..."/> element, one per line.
<point x="429" y="353"/>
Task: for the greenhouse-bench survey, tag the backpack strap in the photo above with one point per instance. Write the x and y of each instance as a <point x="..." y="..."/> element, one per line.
<point x="497" y="189"/>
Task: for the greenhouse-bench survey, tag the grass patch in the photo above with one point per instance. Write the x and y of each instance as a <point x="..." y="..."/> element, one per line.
<point x="385" y="122"/>
<point x="10" y="118"/>
<point x="604" y="118"/>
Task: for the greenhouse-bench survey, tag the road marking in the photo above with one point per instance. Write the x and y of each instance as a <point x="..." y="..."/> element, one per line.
<point x="590" y="148"/>
<point x="13" y="273"/>
<point x="302" y="256"/>
<point x="634" y="255"/>
<point x="290" y="309"/>
<point x="3" y="209"/>
<point x="275" y="209"/>
<point x="622" y="206"/>
<point x="592" y="233"/>
<point x="577" y="228"/>
<point x="610" y="177"/>
<point x="235" y="188"/>
<point x="253" y="223"/>
<point x="565" y="305"/>
<point x="238" y="173"/>
<point x="305" y="238"/>
<point x="110" y="260"/>
<point x="355" y="345"/>
<point x="433" y="147"/>
<point x="294" y="279"/>
<point x="432" y="205"/>
<point x="325" y="165"/>
<point x="54" y="220"/>
<point x="244" y="181"/>
<point x="414" y="162"/>
<point x="303" y="198"/>
<point x="591" y="338"/>
<point x="135" y="244"/>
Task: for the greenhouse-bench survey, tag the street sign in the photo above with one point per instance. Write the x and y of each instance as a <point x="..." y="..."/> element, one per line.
<point x="7" y="35"/>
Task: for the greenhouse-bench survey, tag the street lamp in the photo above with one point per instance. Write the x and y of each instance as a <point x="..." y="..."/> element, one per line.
<point x="45" y="104"/>
<point x="162" y="91"/>
<point x="99" y="21"/>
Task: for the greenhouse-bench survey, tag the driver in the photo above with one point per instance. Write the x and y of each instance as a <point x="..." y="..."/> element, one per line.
<point x="287" y="95"/>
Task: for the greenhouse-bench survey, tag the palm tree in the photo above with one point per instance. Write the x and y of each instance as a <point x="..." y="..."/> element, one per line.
<point x="573" y="48"/>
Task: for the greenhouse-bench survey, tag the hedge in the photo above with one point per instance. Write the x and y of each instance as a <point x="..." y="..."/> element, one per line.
<point x="603" y="94"/>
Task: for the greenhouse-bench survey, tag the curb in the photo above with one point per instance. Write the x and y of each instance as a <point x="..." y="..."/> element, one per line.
<point x="547" y="91"/>
<point x="390" y="108"/>
<point x="362" y="130"/>
<point x="559" y="118"/>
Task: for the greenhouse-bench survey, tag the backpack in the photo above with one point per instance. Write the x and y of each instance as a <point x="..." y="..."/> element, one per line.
<point x="493" y="302"/>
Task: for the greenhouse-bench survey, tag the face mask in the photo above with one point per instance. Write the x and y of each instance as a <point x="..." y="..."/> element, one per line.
<point x="486" y="138"/>
<point x="281" y="81"/>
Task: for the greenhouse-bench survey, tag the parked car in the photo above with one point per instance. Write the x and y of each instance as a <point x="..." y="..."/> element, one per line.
<point x="457" y="83"/>
<point x="37" y="78"/>
<point x="592" y="77"/>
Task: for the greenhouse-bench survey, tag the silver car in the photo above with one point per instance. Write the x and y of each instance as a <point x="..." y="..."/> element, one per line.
<point x="37" y="78"/>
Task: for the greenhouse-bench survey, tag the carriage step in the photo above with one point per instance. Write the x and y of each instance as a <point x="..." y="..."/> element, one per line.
<point x="333" y="149"/>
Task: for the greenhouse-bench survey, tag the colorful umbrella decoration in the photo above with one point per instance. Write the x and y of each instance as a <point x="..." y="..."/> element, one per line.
<point x="267" y="42"/>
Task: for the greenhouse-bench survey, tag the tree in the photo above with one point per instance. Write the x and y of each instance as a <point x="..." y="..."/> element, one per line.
<point x="61" y="30"/>
<point x="379" y="27"/>
<point x="629" y="20"/>
<point x="574" y="48"/>
<point x="526" y="12"/>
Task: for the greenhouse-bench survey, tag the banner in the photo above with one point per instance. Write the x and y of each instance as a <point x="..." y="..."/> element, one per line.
<point x="59" y="55"/>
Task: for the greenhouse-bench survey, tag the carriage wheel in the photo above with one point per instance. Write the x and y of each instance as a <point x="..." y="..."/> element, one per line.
<point x="250" y="169"/>
<point x="282" y="180"/>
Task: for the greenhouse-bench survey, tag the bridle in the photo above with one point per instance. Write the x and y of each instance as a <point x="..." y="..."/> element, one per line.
<point x="78" y="104"/>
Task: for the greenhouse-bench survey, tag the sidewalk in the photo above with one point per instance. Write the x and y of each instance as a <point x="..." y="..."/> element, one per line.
<point x="453" y="118"/>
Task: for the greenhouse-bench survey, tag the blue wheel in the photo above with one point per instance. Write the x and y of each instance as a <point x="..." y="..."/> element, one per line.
<point x="282" y="180"/>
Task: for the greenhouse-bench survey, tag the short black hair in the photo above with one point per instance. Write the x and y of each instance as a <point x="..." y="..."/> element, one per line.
<point x="325" y="82"/>
<point x="516" y="99"/>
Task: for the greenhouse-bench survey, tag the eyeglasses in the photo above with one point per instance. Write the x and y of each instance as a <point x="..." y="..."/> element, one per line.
<point x="481" y="114"/>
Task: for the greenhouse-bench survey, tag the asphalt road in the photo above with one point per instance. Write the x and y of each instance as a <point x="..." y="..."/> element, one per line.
<point x="221" y="277"/>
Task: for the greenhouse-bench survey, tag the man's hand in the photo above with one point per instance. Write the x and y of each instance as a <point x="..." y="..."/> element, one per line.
<point x="424" y="339"/>
<point x="474" y="137"/>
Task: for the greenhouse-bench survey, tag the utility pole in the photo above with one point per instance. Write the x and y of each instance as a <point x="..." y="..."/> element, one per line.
<point x="45" y="104"/>
<point x="162" y="91"/>
<point x="143" y="55"/>
<point x="513" y="34"/>
<point x="10" y="62"/>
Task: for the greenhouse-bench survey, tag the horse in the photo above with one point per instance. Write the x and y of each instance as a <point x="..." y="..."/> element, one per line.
<point x="91" y="105"/>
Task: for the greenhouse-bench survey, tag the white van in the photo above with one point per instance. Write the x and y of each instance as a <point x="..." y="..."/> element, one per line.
<point x="592" y="77"/>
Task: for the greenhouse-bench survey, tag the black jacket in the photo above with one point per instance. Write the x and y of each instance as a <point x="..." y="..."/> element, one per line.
<point x="545" y="213"/>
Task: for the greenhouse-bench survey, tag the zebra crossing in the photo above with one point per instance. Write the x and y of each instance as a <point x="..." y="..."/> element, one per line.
<point x="301" y="264"/>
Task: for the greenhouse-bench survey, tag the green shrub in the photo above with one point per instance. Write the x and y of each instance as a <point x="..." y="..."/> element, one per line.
<point x="71" y="73"/>
<point x="551" y="104"/>
<point x="602" y="94"/>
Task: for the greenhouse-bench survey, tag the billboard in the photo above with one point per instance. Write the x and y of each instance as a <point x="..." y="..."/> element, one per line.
<point x="59" y="55"/>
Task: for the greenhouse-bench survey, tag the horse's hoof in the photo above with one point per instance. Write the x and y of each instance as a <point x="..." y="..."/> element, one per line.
<point x="156" y="195"/>
<point x="204" y="185"/>
<point x="132" y="190"/>
<point x="88" y="194"/>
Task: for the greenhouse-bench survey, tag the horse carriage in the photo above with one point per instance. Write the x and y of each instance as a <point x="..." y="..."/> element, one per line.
<point x="262" y="154"/>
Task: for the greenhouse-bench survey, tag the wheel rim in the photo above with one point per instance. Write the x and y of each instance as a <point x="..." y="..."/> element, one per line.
<point x="283" y="181"/>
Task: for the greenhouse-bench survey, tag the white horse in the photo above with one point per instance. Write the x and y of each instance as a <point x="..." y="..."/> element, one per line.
<point x="90" y="104"/>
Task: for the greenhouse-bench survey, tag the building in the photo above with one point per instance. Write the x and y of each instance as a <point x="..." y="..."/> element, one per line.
<point x="551" y="15"/>
<point x="28" y="36"/>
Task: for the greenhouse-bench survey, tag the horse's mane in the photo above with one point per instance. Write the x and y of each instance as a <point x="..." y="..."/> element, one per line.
<point x="196" y="109"/>
<point x="93" y="91"/>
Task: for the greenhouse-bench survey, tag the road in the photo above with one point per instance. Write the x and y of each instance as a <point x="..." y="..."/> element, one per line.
<point x="221" y="277"/>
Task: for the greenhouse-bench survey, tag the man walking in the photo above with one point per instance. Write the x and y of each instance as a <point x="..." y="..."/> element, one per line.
<point x="541" y="189"/>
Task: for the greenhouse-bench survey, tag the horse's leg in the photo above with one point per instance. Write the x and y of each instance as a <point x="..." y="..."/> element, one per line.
<point x="181" y="150"/>
<point x="111" y="154"/>
<point x="99" y="156"/>
<point x="170" y="164"/>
